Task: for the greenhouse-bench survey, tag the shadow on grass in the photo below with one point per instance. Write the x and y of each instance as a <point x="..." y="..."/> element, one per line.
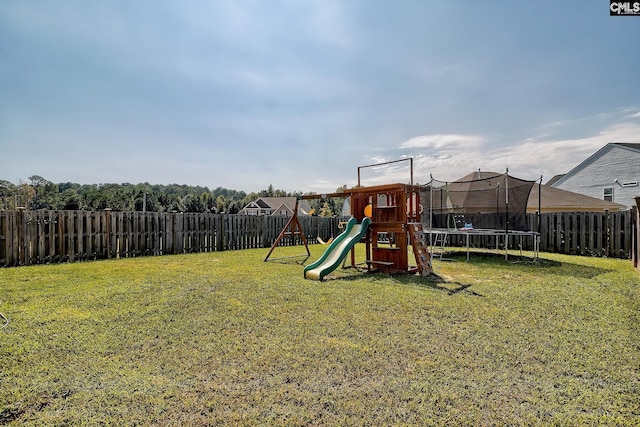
<point x="497" y="259"/>
<point x="293" y="259"/>
<point x="489" y="259"/>
<point x="432" y="281"/>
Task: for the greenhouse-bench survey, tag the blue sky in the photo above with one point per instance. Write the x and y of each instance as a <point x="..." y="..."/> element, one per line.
<point x="242" y="94"/>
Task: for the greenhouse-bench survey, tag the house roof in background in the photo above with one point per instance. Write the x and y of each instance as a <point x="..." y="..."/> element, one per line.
<point x="274" y="202"/>
<point x="278" y="202"/>
<point x="628" y="145"/>
<point x="597" y="154"/>
<point x="262" y="203"/>
<point x="554" y="179"/>
<point x="557" y="200"/>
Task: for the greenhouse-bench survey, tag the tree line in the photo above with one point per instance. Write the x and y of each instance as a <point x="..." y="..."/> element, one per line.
<point x="40" y="193"/>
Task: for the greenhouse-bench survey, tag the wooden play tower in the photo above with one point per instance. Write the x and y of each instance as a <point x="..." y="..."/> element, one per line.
<point x="395" y="213"/>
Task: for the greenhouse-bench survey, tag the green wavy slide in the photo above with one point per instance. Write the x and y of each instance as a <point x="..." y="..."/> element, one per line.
<point x="337" y="250"/>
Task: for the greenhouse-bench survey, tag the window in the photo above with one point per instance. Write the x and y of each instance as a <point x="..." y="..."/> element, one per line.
<point x="608" y="194"/>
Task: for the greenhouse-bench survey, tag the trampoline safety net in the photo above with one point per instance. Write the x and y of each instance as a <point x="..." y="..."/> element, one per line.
<point x="480" y="200"/>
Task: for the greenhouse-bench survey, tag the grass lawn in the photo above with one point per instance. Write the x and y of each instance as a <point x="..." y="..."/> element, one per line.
<point x="224" y="338"/>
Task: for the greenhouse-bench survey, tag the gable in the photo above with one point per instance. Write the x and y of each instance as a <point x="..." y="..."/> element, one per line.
<point x="252" y="205"/>
<point x="282" y="209"/>
<point x="612" y="173"/>
<point x="612" y="159"/>
<point x="262" y="204"/>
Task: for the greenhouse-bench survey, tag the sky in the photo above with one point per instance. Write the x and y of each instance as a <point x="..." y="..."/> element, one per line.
<point x="243" y="94"/>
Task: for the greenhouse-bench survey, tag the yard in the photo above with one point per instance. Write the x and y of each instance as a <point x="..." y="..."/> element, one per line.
<point x="224" y="338"/>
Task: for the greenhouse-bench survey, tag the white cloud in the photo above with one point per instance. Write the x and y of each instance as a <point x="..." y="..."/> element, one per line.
<point x="551" y="157"/>
<point x="450" y="156"/>
<point x="528" y="159"/>
<point x="451" y="141"/>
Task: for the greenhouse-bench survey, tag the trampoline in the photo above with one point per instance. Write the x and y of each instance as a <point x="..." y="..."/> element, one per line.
<point x="486" y="204"/>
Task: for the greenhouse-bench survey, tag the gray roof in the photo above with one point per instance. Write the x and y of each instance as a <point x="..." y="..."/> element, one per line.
<point x="558" y="200"/>
<point x="554" y="179"/>
<point x="262" y="204"/>
<point x="628" y="145"/>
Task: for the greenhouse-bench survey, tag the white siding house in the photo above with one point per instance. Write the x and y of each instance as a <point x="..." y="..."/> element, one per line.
<point x="612" y="173"/>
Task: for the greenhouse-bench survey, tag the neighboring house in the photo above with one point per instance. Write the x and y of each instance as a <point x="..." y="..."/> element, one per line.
<point x="611" y="173"/>
<point x="557" y="200"/>
<point x="283" y="206"/>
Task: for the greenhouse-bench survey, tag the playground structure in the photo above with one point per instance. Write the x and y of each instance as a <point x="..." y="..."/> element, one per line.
<point x="395" y="214"/>
<point x="393" y="217"/>
<point x="386" y="218"/>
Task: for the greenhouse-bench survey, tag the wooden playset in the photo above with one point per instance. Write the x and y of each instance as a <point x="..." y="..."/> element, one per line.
<point x="395" y="215"/>
<point x="391" y="218"/>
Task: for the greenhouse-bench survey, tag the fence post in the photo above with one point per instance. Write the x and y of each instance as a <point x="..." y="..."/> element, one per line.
<point x="632" y="232"/>
<point x="20" y="237"/>
<point x="261" y="221"/>
<point x="174" y="232"/>
<point x="223" y="233"/>
<point x="107" y="221"/>
<point x="4" y="239"/>
<point x="636" y="246"/>
<point x="607" y="235"/>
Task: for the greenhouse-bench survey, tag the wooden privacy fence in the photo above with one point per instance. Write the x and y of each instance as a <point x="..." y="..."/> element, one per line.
<point x="576" y="233"/>
<point x="34" y="237"/>
<point x="587" y="233"/>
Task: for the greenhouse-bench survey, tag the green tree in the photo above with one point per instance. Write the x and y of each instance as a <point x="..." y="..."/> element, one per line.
<point x="7" y="195"/>
<point x="44" y="192"/>
<point x="221" y="204"/>
<point x="326" y="209"/>
<point x="25" y="194"/>
<point x="68" y="199"/>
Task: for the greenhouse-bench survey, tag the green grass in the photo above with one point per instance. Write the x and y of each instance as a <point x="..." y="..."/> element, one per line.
<point x="224" y="338"/>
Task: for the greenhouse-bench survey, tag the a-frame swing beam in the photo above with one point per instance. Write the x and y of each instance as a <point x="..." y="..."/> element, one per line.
<point x="292" y="228"/>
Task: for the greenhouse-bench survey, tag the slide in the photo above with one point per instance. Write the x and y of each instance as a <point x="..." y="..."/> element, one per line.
<point x="337" y="250"/>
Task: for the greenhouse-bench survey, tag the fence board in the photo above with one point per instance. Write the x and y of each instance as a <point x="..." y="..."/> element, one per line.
<point x="3" y="238"/>
<point x="582" y="234"/>
<point x="635" y="241"/>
